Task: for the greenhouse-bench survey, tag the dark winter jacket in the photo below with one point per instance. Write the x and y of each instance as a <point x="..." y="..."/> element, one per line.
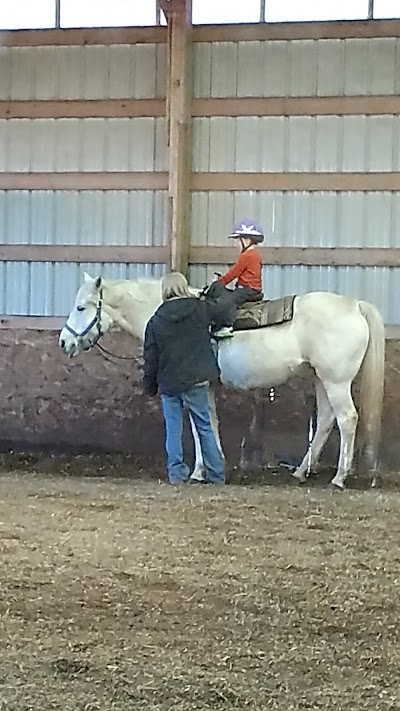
<point x="177" y="348"/>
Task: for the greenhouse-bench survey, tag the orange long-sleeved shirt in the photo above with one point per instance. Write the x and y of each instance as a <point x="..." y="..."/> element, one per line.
<point x="247" y="270"/>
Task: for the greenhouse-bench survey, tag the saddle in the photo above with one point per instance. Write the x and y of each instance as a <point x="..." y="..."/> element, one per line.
<point x="252" y="314"/>
<point x="260" y="314"/>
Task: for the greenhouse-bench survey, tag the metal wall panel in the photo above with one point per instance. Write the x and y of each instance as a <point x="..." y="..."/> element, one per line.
<point x="70" y="63"/>
<point x="272" y="144"/>
<point x="222" y="143"/>
<point x="301" y="144"/>
<point x="297" y="67"/>
<point x="297" y="143"/>
<point x="137" y="217"/>
<point x="328" y="143"/>
<point x="384" y="55"/>
<point x="91" y="72"/>
<point x="330" y="68"/>
<point x="224" y="68"/>
<point x="202" y="58"/>
<point x="303" y="68"/>
<point x="356" y="74"/>
<point x="274" y="65"/>
<point x="249" y="77"/>
<point x="300" y="219"/>
<point x="82" y="144"/>
<point x="200" y="144"/>
<point x="354" y="147"/>
<point x="381" y="148"/>
<point x="248" y="143"/>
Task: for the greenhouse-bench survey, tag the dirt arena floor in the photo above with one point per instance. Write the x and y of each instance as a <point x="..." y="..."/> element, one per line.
<point x="122" y="593"/>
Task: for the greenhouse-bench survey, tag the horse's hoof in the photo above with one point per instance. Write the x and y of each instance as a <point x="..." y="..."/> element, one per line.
<point x="197" y="477"/>
<point x="337" y="487"/>
<point x="301" y="479"/>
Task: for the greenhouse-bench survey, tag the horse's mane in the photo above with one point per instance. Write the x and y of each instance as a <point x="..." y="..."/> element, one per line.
<point x="141" y="289"/>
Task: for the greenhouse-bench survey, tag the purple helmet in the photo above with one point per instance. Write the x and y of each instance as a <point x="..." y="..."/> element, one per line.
<point x="247" y="228"/>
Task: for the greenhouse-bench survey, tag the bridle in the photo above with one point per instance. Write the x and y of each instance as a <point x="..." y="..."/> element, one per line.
<point x="96" y="321"/>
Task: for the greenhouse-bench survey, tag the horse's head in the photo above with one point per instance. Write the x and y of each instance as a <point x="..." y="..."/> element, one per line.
<point x="88" y="320"/>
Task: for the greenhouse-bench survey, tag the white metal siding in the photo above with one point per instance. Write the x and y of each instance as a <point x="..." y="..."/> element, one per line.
<point x="99" y="217"/>
<point x="297" y="67"/>
<point x="297" y="144"/>
<point x="265" y="144"/>
<point x="90" y="72"/>
<point x="91" y="144"/>
<point x="47" y="145"/>
<point x="300" y="219"/>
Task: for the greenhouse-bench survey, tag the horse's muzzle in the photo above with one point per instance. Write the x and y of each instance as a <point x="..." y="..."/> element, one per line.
<point x="70" y="350"/>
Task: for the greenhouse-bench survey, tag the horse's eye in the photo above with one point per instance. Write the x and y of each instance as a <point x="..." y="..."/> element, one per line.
<point x="80" y="308"/>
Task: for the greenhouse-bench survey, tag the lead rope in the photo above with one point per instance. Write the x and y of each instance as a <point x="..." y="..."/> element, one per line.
<point x="114" y="355"/>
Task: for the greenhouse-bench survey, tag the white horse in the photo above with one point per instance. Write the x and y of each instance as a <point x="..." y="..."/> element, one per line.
<point x="337" y="336"/>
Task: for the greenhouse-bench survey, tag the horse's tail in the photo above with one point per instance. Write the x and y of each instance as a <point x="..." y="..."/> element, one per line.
<point x="372" y="384"/>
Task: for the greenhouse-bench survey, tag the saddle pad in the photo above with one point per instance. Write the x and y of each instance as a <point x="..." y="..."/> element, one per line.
<point x="260" y="314"/>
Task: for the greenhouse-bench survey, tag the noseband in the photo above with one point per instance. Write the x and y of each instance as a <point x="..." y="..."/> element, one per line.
<point x="96" y="321"/>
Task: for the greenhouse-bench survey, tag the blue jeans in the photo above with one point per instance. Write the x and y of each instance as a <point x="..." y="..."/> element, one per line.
<point x="196" y="402"/>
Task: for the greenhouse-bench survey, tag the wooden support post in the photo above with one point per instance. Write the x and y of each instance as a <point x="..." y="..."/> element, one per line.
<point x="178" y="13"/>
<point x="370" y="9"/>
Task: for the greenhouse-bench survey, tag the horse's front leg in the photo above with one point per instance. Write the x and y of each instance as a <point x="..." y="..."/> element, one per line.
<point x="214" y="419"/>
<point x="199" y="472"/>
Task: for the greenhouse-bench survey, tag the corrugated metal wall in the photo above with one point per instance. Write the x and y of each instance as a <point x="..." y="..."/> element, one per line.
<point x="302" y="144"/>
<point x="102" y="217"/>
<point x="83" y="72"/>
<point x="297" y="68"/>
<point x="82" y="144"/>
<point x="297" y="144"/>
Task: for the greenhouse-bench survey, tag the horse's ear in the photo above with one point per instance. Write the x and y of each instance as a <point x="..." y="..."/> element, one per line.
<point x="98" y="283"/>
<point x="87" y="278"/>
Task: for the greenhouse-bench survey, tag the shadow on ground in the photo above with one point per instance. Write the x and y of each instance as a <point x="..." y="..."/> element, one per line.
<point x="129" y="467"/>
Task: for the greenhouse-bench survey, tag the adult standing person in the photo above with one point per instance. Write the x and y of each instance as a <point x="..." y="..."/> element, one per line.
<point x="179" y="364"/>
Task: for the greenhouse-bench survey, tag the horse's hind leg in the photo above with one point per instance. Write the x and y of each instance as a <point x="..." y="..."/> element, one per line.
<point x="339" y="395"/>
<point x="325" y="420"/>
